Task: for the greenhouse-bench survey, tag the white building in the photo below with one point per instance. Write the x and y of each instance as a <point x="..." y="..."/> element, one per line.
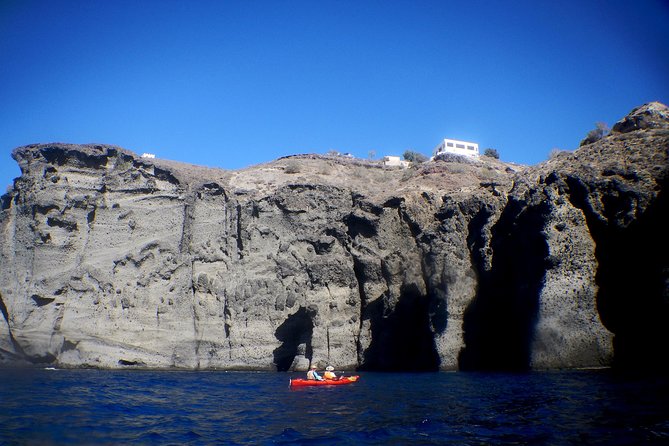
<point x="457" y="147"/>
<point x="148" y="155"/>
<point x="395" y="161"/>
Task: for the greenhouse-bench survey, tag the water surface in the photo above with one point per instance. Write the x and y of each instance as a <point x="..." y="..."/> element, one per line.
<point x="159" y="407"/>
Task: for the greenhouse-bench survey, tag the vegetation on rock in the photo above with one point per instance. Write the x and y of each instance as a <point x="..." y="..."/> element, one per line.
<point x="492" y="153"/>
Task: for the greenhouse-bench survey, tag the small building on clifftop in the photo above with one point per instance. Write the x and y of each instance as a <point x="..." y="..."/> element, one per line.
<point x="395" y="161"/>
<point x="457" y="147"/>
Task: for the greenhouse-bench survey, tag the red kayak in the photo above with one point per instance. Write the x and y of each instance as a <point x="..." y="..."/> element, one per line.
<point x="325" y="382"/>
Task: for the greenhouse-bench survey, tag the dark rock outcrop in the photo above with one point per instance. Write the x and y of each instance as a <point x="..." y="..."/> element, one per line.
<point x="111" y="260"/>
<point x="653" y="115"/>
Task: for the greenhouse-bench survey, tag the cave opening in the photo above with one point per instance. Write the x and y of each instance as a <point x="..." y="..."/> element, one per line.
<point x="402" y="341"/>
<point x="632" y="274"/>
<point x="500" y="322"/>
<point x="297" y="329"/>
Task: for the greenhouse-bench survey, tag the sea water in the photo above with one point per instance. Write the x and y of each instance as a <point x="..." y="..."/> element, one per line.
<point x="46" y="407"/>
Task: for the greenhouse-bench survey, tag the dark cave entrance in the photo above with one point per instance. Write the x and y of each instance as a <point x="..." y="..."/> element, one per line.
<point x="294" y="331"/>
<point x="402" y="341"/>
<point x="499" y="324"/>
<point x="632" y="273"/>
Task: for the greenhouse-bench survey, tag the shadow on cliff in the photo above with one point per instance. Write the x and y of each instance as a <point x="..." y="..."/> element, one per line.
<point x="295" y="331"/>
<point x="402" y="341"/>
<point x="632" y="274"/>
<point x="499" y="323"/>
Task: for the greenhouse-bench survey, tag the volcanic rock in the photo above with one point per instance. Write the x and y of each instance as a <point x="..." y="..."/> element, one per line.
<point x="115" y="261"/>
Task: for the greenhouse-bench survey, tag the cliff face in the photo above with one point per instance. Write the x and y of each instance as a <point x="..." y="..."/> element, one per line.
<point x="111" y="260"/>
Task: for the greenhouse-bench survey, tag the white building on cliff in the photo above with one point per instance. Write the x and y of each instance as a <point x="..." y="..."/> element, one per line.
<point x="395" y="161"/>
<point x="457" y="147"/>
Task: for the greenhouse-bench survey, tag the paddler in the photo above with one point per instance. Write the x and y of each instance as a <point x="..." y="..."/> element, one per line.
<point x="313" y="375"/>
<point x="329" y="373"/>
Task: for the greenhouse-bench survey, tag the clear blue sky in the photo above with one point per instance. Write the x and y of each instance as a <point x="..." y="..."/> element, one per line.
<point x="235" y="83"/>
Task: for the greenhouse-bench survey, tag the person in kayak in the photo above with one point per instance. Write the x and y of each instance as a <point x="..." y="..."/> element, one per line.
<point x="329" y="373"/>
<point x="313" y="375"/>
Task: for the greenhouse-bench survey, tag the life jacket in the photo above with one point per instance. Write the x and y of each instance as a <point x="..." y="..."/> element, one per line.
<point x="329" y="375"/>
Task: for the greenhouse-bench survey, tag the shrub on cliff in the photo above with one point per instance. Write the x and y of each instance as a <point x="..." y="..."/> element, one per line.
<point x="555" y="152"/>
<point x="594" y="135"/>
<point x="492" y="153"/>
<point x="292" y="167"/>
<point x="414" y="157"/>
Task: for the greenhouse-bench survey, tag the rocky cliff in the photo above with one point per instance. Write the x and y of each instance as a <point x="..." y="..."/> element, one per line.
<point x="112" y="260"/>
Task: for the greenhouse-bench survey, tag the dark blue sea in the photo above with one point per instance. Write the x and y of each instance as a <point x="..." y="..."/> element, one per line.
<point x="53" y="407"/>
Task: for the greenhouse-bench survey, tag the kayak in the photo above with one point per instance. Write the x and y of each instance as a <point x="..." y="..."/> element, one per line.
<point x="326" y="382"/>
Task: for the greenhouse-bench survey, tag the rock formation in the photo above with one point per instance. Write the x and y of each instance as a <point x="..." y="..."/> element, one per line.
<point x="113" y="260"/>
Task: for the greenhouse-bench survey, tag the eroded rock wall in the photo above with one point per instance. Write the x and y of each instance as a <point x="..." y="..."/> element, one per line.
<point x="111" y="260"/>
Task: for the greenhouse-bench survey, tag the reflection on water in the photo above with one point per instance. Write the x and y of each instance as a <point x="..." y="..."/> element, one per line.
<point x="149" y="407"/>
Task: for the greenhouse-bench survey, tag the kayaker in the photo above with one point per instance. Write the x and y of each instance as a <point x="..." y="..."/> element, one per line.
<point x="329" y="373"/>
<point x="313" y="375"/>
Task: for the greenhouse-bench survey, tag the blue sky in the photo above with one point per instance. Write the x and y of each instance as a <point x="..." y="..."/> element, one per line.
<point x="234" y="83"/>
